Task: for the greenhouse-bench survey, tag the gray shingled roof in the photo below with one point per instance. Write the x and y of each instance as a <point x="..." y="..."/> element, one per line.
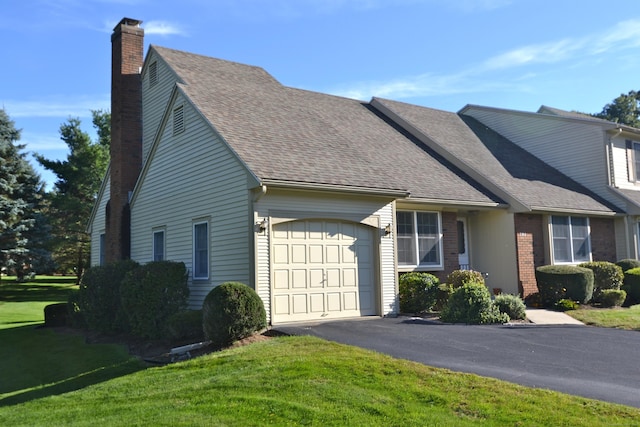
<point x="506" y="167"/>
<point x="299" y="136"/>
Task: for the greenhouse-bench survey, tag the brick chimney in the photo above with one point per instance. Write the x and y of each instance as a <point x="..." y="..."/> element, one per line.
<point x="127" y="46"/>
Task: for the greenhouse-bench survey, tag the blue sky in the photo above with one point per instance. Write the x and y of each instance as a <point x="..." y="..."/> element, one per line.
<point x="517" y="54"/>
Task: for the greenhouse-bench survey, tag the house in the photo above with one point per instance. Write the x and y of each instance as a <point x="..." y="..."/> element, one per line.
<point x="319" y="202"/>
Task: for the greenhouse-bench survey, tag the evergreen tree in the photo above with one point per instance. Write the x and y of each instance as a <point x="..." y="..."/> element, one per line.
<point x="78" y="182"/>
<point x="22" y="227"/>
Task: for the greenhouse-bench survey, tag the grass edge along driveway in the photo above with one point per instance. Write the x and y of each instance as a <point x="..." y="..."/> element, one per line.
<point x="283" y="381"/>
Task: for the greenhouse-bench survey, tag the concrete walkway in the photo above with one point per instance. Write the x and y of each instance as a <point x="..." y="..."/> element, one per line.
<point x="541" y="316"/>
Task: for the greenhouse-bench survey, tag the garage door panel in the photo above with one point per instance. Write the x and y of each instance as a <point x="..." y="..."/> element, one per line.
<point x="316" y="254"/>
<point x="349" y="278"/>
<point x="299" y="303"/>
<point x="281" y="279"/>
<point x="281" y="305"/>
<point x="350" y="300"/>
<point x="298" y="254"/>
<point x="316" y="276"/>
<point x="317" y="303"/>
<point x="322" y="269"/>
<point x="334" y="301"/>
<point x="299" y="277"/>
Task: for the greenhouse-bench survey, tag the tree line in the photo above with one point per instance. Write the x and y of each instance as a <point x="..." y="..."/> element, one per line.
<point x="45" y="231"/>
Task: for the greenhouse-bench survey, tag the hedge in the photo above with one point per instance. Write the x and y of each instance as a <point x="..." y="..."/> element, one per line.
<point x="556" y="282"/>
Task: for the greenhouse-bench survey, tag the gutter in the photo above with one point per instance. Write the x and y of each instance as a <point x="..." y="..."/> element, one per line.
<point x="314" y="186"/>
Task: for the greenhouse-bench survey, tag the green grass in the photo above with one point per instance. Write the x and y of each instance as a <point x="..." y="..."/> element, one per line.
<point x="49" y="378"/>
<point x="620" y="317"/>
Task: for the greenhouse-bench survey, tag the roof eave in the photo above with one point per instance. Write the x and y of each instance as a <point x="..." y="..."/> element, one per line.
<point x="299" y="185"/>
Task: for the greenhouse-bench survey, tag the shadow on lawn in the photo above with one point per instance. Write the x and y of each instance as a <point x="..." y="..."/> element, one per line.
<point x="31" y="356"/>
<point x="33" y="291"/>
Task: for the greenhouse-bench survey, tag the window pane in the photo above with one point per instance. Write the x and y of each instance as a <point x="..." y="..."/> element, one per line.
<point x="580" y="239"/>
<point x="406" y="238"/>
<point x="158" y="246"/>
<point x="561" y="241"/>
<point x="636" y="159"/>
<point x="201" y="251"/>
<point x="428" y="238"/>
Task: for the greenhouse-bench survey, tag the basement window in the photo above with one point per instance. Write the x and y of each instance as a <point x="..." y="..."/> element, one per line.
<point x="178" y="120"/>
<point x="153" y="74"/>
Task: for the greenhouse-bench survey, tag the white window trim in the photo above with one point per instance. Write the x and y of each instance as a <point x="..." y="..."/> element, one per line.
<point x="418" y="266"/>
<point x="164" y="243"/>
<point x="573" y="261"/>
<point x="194" y="225"/>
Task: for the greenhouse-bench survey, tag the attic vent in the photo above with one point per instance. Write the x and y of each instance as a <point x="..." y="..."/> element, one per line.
<point x="153" y="74"/>
<point x="178" y="120"/>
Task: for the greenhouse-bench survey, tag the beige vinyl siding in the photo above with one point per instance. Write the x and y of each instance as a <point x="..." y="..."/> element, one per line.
<point x="154" y="100"/>
<point x="194" y="177"/>
<point x="300" y="204"/>
<point x="577" y="149"/>
<point x="98" y="224"/>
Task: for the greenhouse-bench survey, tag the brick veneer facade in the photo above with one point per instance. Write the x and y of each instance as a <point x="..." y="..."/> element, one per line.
<point x="530" y="247"/>
<point x="603" y="241"/>
<point x="529" y="231"/>
<point x="127" y="46"/>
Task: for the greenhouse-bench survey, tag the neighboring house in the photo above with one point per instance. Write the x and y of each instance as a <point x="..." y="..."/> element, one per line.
<point x="318" y="202"/>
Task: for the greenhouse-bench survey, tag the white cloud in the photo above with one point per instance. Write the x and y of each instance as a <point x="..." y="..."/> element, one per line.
<point x="625" y="34"/>
<point x="60" y="106"/>
<point x="537" y="53"/>
<point x="162" y="28"/>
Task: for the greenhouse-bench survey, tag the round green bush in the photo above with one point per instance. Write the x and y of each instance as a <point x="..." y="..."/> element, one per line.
<point x="511" y="305"/>
<point x="631" y="286"/>
<point x="418" y="292"/>
<point x="606" y="275"/>
<point x="628" y="264"/>
<point x="613" y="297"/>
<point x="458" y="278"/>
<point x="471" y="303"/>
<point x="565" y="305"/>
<point x="232" y="311"/>
<point x="556" y="282"/>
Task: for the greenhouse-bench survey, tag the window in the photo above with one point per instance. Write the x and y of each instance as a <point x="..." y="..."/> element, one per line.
<point x="103" y="247"/>
<point x="153" y="74"/>
<point x="570" y="237"/>
<point x="178" y="120"/>
<point x="419" y="239"/>
<point x="201" y="250"/>
<point x="633" y="160"/>
<point x="158" y="245"/>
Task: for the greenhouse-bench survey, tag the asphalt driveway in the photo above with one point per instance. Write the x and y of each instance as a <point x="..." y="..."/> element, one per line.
<point x="598" y="363"/>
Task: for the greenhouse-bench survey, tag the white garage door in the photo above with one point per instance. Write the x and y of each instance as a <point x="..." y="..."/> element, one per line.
<point x="322" y="270"/>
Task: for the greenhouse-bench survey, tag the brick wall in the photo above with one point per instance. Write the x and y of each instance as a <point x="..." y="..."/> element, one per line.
<point x="529" y="231"/>
<point x="127" y="43"/>
<point x="603" y="239"/>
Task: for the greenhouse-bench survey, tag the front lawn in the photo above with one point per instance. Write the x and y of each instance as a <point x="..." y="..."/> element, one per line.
<point x="620" y="317"/>
<point x="54" y="378"/>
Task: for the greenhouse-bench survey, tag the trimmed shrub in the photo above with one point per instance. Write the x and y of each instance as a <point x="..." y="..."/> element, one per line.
<point x="232" y="311"/>
<point x="151" y="294"/>
<point x="511" y="305"/>
<point x="471" y="303"/>
<point x="56" y="315"/>
<point x="606" y="275"/>
<point x="418" y="292"/>
<point x="98" y="300"/>
<point x="185" y="325"/>
<point x="444" y="293"/>
<point x="556" y="282"/>
<point x="631" y="286"/>
<point x="565" y="305"/>
<point x="458" y="278"/>
<point x="613" y="297"/>
<point x="628" y="264"/>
